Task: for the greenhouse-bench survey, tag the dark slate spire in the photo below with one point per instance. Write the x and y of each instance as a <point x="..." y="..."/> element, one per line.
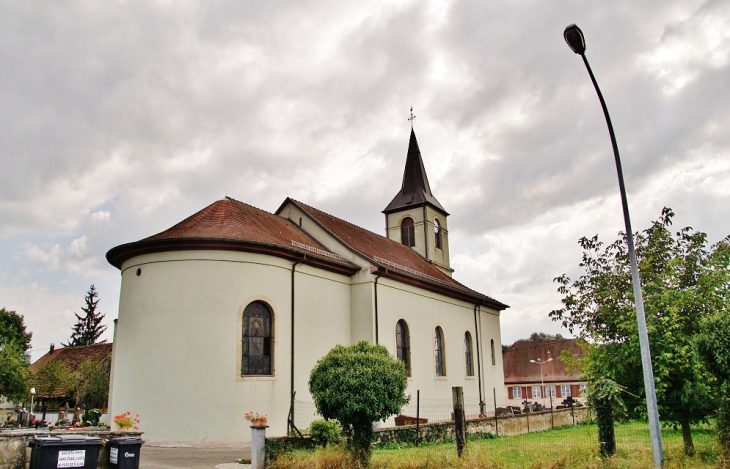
<point x="415" y="190"/>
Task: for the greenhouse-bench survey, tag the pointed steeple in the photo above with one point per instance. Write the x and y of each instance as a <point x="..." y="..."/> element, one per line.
<point x="415" y="190"/>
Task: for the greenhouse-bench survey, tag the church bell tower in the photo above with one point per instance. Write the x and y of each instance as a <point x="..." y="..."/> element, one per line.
<point x="415" y="218"/>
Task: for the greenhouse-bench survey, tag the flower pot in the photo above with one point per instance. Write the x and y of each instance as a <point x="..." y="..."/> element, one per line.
<point x="259" y="423"/>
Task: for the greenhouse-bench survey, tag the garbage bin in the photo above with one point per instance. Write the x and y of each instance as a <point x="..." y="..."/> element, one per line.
<point x="124" y="452"/>
<point x="51" y="452"/>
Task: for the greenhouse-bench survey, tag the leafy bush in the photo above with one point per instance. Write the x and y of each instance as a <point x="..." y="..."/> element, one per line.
<point x="359" y="385"/>
<point x="325" y="432"/>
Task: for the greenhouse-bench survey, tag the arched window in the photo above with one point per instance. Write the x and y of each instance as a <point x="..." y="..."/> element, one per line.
<point x="438" y="341"/>
<point x="437" y="233"/>
<point x="408" y="232"/>
<point x="403" y="344"/>
<point x="258" y="340"/>
<point x="468" y="355"/>
<point x="494" y="359"/>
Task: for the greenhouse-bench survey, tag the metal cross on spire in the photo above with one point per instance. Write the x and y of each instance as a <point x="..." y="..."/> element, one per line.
<point x="411" y="118"/>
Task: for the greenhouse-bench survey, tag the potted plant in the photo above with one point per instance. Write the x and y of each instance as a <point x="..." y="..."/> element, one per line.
<point x="125" y="422"/>
<point x="256" y="419"/>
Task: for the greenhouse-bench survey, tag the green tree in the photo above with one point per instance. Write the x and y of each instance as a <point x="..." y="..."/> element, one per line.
<point x="92" y="389"/>
<point x="683" y="280"/>
<point x="545" y="336"/>
<point x="713" y="344"/>
<point x="359" y="385"/>
<point x="14" y="373"/>
<point x="53" y="378"/>
<point x="14" y="359"/>
<point x="12" y="329"/>
<point x="88" y="328"/>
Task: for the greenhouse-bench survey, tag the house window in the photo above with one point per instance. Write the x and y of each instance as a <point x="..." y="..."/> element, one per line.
<point x="437" y="233"/>
<point x="494" y="359"/>
<point x="408" y="232"/>
<point x="536" y="392"/>
<point x="402" y="344"/>
<point x="438" y="340"/>
<point x="550" y="391"/>
<point x="516" y="392"/>
<point x="583" y="388"/>
<point x="565" y="390"/>
<point x="257" y="340"/>
<point x="468" y="355"/>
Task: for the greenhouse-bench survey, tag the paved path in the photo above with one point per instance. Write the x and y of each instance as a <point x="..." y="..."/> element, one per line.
<point x="193" y="455"/>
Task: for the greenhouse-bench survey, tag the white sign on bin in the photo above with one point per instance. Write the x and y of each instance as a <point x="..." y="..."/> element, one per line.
<point x="113" y="454"/>
<point x="71" y="458"/>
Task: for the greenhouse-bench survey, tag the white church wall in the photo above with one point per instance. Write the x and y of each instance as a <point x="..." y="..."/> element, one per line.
<point x="423" y="311"/>
<point x="362" y="307"/>
<point x="493" y="373"/>
<point x="184" y="310"/>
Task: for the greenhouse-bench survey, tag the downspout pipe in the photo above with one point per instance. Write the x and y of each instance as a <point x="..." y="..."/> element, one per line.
<point x="482" y="409"/>
<point x="290" y="421"/>
<point x="377" y="338"/>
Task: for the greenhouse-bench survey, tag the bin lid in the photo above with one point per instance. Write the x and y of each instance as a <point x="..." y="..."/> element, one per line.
<point x="65" y="440"/>
<point x="127" y="440"/>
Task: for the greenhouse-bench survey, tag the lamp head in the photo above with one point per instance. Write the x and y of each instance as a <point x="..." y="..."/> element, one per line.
<point x="574" y="37"/>
<point x="533" y="361"/>
<point x="549" y="359"/>
<point x="32" y="390"/>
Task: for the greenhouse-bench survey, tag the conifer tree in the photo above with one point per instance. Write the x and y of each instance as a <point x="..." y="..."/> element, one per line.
<point x="88" y="328"/>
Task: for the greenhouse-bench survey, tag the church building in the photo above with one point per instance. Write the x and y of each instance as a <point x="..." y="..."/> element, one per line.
<point x="229" y="310"/>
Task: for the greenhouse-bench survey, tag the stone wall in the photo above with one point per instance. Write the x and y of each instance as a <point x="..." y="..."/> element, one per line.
<point x="509" y="425"/>
<point x="15" y="453"/>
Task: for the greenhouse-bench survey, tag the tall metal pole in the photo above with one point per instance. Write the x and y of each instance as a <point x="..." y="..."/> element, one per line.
<point x="574" y="37"/>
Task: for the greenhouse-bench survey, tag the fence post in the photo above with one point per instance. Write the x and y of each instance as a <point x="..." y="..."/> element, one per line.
<point x="418" y="415"/>
<point x="457" y="394"/>
<point x="527" y="416"/>
<point x="496" y="420"/>
<point x="572" y="413"/>
<point x="552" y="416"/>
<point x="258" y="447"/>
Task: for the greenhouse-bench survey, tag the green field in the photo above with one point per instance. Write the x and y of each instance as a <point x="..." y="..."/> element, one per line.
<point x="572" y="447"/>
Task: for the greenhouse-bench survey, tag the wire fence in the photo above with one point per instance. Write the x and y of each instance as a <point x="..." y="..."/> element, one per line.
<point x="531" y="420"/>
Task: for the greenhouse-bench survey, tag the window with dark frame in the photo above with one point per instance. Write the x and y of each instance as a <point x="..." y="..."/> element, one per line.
<point x="494" y="358"/>
<point x="257" y="340"/>
<point x="402" y="344"/>
<point x="439" y="352"/>
<point x="468" y="354"/>
<point x="437" y="233"/>
<point x="408" y="232"/>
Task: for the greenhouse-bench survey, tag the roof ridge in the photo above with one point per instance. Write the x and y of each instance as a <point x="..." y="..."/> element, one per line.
<point x="393" y="242"/>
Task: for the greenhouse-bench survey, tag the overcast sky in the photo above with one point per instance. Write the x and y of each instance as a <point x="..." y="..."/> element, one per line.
<point x="120" y="119"/>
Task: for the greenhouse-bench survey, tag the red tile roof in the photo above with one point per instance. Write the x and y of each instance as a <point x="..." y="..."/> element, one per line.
<point x="389" y="255"/>
<point x="73" y="357"/>
<point x="518" y="369"/>
<point x="233" y="225"/>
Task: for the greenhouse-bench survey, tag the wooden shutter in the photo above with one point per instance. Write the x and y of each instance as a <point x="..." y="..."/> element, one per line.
<point x="557" y="391"/>
<point x="574" y="390"/>
<point x="509" y="393"/>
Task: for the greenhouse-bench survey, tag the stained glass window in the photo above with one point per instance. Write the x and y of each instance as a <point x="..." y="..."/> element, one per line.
<point x="257" y="340"/>
<point x="468" y="355"/>
<point x="438" y="340"/>
<point x="402" y="344"/>
<point x="408" y="232"/>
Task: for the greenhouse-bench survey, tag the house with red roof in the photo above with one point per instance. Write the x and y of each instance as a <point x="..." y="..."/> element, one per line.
<point x="535" y="372"/>
<point x="230" y="309"/>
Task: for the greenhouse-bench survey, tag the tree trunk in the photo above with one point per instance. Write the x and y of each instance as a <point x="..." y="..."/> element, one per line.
<point x="689" y="447"/>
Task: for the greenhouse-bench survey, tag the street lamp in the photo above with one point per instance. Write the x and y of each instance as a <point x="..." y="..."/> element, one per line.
<point x="542" y="380"/>
<point x="32" y="393"/>
<point x="574" y="37"/>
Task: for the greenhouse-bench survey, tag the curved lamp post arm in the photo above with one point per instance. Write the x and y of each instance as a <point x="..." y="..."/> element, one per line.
<point x="576" y="41"/>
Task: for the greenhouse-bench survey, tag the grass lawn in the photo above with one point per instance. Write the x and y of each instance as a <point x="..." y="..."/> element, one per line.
<point x="572" y="447"/>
